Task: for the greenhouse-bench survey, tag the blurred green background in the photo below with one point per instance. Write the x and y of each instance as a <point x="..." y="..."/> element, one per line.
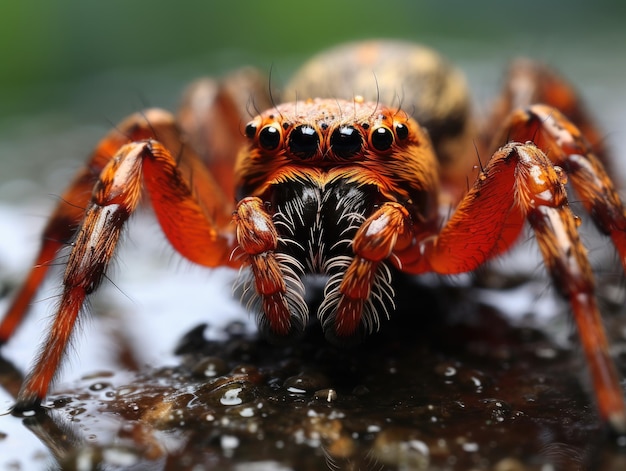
<point x="70" y="69"/>
<point x="46" y="43"/>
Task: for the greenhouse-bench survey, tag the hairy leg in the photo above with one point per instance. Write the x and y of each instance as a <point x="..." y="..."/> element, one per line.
<point x="65" y="219"/>
<point x="520" y="183"/>
<point x="115" y="197"/>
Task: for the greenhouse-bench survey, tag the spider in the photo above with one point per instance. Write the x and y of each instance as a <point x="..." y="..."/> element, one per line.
<point x="341" y="180"/>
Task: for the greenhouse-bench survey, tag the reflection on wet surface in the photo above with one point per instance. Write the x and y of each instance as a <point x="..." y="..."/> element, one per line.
<point x="453" y="386"/>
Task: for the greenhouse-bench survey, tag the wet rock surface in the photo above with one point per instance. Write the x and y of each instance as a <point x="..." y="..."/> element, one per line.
<point x="455" y="386"/>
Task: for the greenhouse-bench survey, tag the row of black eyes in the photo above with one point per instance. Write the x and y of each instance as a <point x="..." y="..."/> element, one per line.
<point x="345" y="140"/>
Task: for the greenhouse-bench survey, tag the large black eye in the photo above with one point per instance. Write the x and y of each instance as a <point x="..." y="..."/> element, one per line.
<point x="269" y="137"/>
<point x="346" y="141"/>
<point x="304" y="141"/>
<point x="382" y="138"/>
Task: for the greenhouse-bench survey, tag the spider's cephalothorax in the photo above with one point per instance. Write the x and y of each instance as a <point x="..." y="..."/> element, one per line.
<point x="345" y="187"/>
<point x="322" y="168"/>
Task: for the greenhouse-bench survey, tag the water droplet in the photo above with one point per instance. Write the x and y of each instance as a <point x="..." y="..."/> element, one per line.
<point x="446" y="369"/>
<point x="497" y="409"/>
<point x="210" y="367"/>
<point x="546" y="353"/>
<point x="306" y="382"/>
<point x="231" y="397"/>
<point x="328" y="395"/>
<point x="125" y="391"/>
<point x="120" y="458"/>
<point x="247" y="412"/>
<point x="77" y="411"/>
<point x="99" y="386"/>
<point x="470" y="447"/>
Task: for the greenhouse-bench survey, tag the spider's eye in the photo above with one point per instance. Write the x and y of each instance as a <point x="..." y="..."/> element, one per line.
<point x="304" y="141"/>
<point x="346" y="141"/>
<point x="251" y="130"/>
<point x="382" y="138"/>
<point x="269" y="137"/>
<point x="402" y="131"/>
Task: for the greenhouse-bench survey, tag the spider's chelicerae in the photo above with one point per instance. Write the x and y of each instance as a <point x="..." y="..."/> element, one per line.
<point x="341" y="180"/>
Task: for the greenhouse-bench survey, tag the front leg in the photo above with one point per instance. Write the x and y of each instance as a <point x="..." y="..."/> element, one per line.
<point x="366" y="280"/>
<point x="567" y="147"/>
<point x="65" y="220"/>
<point x="521" y="184"/>
<point x="281" y="309"/>
<point x="115" y="197"/>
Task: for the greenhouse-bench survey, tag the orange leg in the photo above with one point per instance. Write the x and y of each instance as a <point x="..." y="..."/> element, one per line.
<point x="282" y="311"/>
<point x="529" y="82"/>
<point x="59" y="231"/>
<point x="115" y="197"/>
<point x="373" y="243"/>
<point x="518" y="184"/>
<point x="212" y="114"/>
<point x="566" y="147"/>
<point x="65" y="220"/>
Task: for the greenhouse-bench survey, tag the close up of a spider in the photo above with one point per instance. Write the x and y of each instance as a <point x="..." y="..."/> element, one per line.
<point x="368" y="164"/>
